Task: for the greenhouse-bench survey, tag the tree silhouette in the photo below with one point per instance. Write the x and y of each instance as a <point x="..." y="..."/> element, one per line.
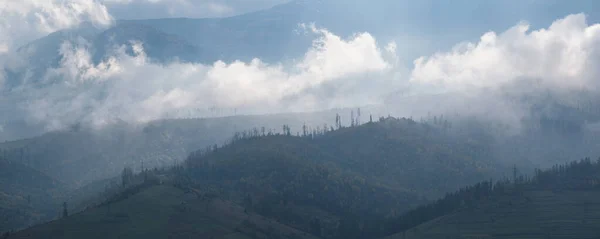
<point x="65" y="211"/>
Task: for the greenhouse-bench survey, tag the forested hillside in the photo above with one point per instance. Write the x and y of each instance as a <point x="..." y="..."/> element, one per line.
<point x="366" y="180"/>
<point x="335" y="181"/>
<point x="391" y="151"/>
<point x="561" y="202"/>
<point x="357" y="175"/>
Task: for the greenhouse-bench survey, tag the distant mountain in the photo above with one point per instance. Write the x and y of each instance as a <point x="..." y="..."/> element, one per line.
<point x="80" y="155"/>
<point x="158" y="45"/>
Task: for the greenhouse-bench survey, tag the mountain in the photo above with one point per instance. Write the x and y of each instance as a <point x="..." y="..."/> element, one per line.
<point x="81" y="155"/>
<point x="320" y="180"/>
<point x="357" y="175"/>
<point x="158" y="45"/>
<point x="364" y="181"/>
<point x="391" y="151"/>
<point x="561" y="202"/>
<point x="84" y="161"/>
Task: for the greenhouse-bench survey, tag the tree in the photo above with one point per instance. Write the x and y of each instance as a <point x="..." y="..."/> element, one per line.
<point x="304" y="132"/>
<point x="65" y="211"/>
<point x="515" y="174"/>
<point x="248" y="202"/>
<point x="126" y="176"/>
<point x="315" y="227"/>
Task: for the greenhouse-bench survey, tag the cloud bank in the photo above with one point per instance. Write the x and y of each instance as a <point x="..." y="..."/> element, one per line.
<point x="135" y="89"/>
<point x="25" y="20"/>
<point x="503" y="75"/>
<point x="334" y="72"/>
<point x="562" y="56"/>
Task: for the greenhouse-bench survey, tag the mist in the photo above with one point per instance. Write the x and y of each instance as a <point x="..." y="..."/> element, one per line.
<point x="510" y="77"/>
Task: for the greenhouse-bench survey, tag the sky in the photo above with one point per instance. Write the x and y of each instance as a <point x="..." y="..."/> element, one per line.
<point x="337" y="71"/>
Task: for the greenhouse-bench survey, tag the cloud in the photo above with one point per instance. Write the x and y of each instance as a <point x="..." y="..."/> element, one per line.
<point x="562" y="56"/>
<point x="25" y="20"/>
<point x="334" y="72"/>
<point x="3" y="48"/>
<point x="503" y="75"/>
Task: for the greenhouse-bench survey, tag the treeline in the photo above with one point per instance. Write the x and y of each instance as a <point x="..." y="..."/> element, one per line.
<point x="577" y="175"/>
<point x="306" y="131"/>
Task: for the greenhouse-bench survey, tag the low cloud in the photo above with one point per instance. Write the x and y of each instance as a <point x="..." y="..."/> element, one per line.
<point x="563" y="56"/>
<point x="503" y="75"/>
<point x="25" y="20"/>
<point x="335" y="72"/>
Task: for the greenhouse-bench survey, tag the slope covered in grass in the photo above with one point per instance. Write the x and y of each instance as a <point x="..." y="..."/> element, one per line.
<point x="562" y="202"/>
<point x="163" y="211"/>
<point x="27" y="196"/>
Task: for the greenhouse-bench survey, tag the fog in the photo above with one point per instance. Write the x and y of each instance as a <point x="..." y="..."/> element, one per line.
<point x="497" y="76"/>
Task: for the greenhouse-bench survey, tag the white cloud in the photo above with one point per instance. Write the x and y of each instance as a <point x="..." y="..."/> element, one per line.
<point x="503" y="75"/>
<point x="132" y="88"/>
<point x="563" y="56"/>
<point x="3" y="48"/>
<point x="25" y="20"/>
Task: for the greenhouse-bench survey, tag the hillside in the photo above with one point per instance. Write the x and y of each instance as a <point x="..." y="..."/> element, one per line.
<point x="362" y="181"/>
<point x="357" y="175"/>
<point x="163" y="211"/>
<point x="345" y="182"/>
<point x="562" y="202"/>
<point x="27" y="196"/>
<point x="82" y="155"/>
<point x="395" y="152"/>
<point x="83" y="161"/>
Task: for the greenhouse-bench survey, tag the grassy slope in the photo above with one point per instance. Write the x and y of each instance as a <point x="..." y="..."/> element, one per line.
<point x="163" y="212"/>
<point x="18" y="183"/>
<point x="534" y="214"/>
